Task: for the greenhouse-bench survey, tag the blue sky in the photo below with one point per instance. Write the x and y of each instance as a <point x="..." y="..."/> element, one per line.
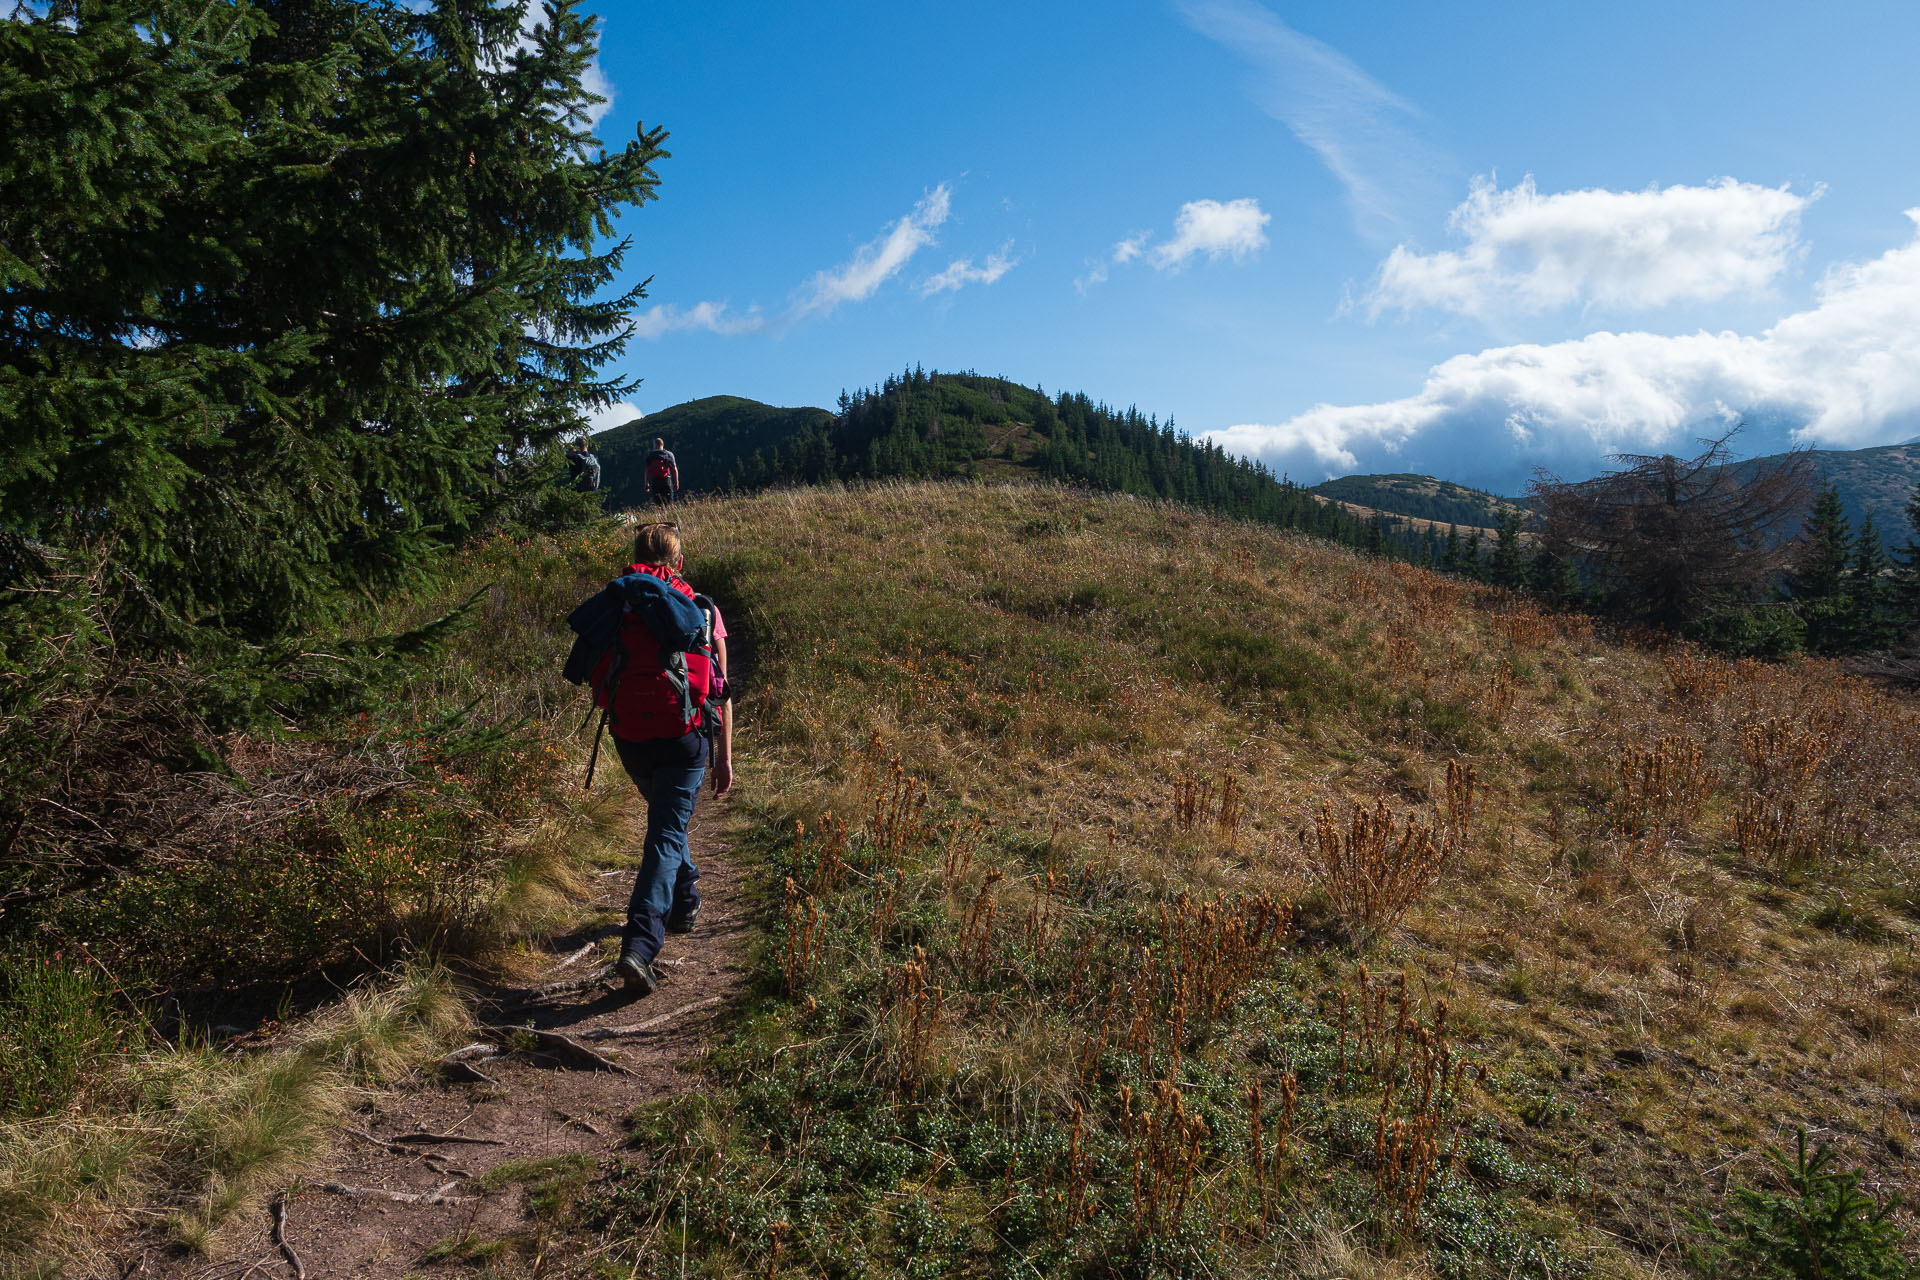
<point x="1460" y="239"/>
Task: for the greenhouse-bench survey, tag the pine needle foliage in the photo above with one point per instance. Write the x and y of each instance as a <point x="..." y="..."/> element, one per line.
<point x="295" y="294"/>
<point x="1819" y="1225"/>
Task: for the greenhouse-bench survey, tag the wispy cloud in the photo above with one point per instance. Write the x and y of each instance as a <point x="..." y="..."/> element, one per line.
<point x="876" y="261"/>
<point x="855" y="280"/>
<point x="713" y="317"/>
<point x="1527" y="253"/>
<point x="1361" y="130"/>
<point x="1219" y="229"/>
<point x="1844" y="373"/>
<point x="961" y="272"/>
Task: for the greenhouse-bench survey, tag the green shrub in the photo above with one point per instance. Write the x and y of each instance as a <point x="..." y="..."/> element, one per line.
<point x="1756" y="631"/>
<point x="58" y="1029"/>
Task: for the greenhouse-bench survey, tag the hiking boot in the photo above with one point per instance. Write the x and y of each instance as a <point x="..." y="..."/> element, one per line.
<point x="636" y="973"/>
<point x="682" y="921"/>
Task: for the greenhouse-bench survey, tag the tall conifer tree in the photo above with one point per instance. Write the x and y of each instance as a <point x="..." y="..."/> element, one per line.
<point x="1906" y="583"/>
<point x="294" y="294"/>
<point x="1820" y="577"/>
<point x="1508" y="569"/>
<point x="1870" y="620"/>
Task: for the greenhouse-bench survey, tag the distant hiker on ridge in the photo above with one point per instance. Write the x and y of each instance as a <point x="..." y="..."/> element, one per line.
<point x="663" y="475"/>
<point x="656" y="655"/>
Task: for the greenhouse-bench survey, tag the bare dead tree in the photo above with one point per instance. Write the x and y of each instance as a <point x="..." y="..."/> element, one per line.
<point x="1668" y="539"/>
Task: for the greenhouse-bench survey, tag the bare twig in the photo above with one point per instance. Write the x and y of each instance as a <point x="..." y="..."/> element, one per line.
<point x="461" y="1069"/>
<point x="576" y="957"/>
<point x="566" y="986"/>
<point x="578" y="1123"/>
<point x="564" y="1049"/>
<point x="382" y="1143"/>
<point x="280" y="1238"/>
<point x="448" y="1137"/>
<point x="607" y="1033"/>
<point x="437" y="1196"/>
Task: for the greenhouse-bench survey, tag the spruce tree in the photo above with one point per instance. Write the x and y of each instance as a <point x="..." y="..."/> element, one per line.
<point x="1870" y="622"/>
<point x="1829" y="546"/>
<point x="296" y="294"/>
<point x="1508" y="569"/>
<point x="1821" y="574"/>
<point x="1906" y="574"/>
<point x="1553" y="578"/>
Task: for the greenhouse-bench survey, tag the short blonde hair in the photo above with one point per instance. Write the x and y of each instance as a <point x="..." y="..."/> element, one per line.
<point x="657" y="544"/>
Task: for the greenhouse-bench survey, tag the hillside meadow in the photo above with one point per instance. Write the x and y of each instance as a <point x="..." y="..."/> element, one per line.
<point x="1150" y="894"/>
<point x="1143" y="894"/>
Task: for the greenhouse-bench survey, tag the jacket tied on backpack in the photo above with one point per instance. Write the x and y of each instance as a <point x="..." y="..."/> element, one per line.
<point x="645" y="645"/>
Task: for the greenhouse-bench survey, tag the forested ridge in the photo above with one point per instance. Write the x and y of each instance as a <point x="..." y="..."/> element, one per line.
<point x="925" y="425"/>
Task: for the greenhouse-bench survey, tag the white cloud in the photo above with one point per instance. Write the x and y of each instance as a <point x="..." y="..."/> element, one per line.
<point x="1231" y="230"/>
<point x="1358" y="127"/>
<point x="713" y="317"/>
<point x="961" y="272"/>
<point x="1844" y="373"/>
<point x="1527" y="253"/>
<point x="877" y="261"/>
<point x="617" y="414"/>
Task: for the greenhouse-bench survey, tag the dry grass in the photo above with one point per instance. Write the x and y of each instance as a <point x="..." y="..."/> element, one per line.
<point x="1659" y="909"/>
<point x="204" y="1136"/>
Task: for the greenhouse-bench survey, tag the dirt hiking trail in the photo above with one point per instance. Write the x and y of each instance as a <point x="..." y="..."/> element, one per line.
<point x="408" y="1169"/>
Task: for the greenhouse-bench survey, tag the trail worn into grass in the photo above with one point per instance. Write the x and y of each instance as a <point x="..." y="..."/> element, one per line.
<point x="432" y="1179"/>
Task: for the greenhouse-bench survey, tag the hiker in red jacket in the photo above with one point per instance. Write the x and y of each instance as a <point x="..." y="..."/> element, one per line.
<point x="667" y="757"/>
<point x="663" y="475"/>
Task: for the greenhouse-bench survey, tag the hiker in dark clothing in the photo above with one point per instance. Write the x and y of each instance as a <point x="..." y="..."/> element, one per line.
<point x="667" y="753"/>
<point x="663" y="475"/>
<point x="583" y="469"/>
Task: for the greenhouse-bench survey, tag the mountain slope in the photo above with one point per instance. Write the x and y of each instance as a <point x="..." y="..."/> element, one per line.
<point x="707" y="436"/>
<point x="1421" y="497"/>
<point x="1879" y="480"/>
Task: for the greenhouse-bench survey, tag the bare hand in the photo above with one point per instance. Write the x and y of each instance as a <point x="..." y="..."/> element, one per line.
<point x="722" y="777"/>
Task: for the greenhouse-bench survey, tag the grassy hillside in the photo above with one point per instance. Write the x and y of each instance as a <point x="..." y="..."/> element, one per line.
<point x="707" y="436"/>
<point x="1421" y="497"/>
<point x="1151" y="894"/>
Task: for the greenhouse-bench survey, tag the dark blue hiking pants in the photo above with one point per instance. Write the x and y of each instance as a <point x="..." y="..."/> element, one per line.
<point x="667" y="881"/>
